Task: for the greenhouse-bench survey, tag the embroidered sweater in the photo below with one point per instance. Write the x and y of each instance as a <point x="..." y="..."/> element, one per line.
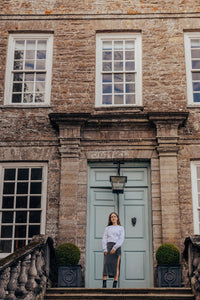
<point x="114" y="234"/>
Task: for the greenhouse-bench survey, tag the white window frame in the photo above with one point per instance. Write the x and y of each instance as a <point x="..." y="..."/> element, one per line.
<point x="43" y="193"/>
<point x="188" y="62"/>
<point x="195" y="192"/>
<point x="9" y="68"/>
<point x="138" y="66"/>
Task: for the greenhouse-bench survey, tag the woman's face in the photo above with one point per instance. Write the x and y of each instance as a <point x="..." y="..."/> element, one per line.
<point x="114" y="219"/>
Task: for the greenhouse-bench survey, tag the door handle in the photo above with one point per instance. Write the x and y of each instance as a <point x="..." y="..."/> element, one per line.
<point x="133" y="221"/>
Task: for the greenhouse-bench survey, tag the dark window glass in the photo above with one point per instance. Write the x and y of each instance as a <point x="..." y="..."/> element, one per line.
<point x="8" y="202"/>
<point x="22" y="188"/>
<point x="34" y="230"/>
<point x="9" y="174"/>
<point x="35" y="202"/>
<point x="23" y="174"/>
<point x="6" y="231"/>
<point x="21" y="202"/>
<point x="7" y="217"/>
<point x="8" y="188"/>
<point x="19" y="244"/>
<point x="5" y="246"/>
<point x="20" y="231"/>
<point x="36" y="174"/>
<point x="16" y="98"/>
<point x="34" y="217"/>
<point x="36" y="188"/>
<point x="21" y="217"/>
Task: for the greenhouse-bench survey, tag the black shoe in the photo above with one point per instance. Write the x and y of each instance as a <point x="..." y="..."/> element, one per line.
<point x="114" y="284"/>
<point x="104" y="284"/>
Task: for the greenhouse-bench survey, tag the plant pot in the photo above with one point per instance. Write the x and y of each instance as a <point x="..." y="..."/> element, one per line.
<point x="70" y="276"/>
<point x="169" y="276"/>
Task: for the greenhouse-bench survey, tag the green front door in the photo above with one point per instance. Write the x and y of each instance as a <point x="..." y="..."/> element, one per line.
<point x="133" y="205"/>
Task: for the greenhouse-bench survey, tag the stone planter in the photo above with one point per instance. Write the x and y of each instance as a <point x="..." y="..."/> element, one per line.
<point x="70" y="276"/>
<point x="169" y="276"/>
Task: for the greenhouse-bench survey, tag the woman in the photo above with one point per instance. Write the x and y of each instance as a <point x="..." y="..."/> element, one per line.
<point x="113" y="238"/>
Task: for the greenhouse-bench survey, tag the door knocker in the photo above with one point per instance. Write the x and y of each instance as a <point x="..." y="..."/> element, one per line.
<point x="133" y="220"/>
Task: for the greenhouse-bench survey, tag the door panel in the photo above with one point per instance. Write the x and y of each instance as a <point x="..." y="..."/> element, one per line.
<point x="136" y="263"/>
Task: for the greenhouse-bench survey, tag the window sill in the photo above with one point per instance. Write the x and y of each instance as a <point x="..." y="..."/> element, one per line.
<point x="121" y="108"/>
<point x="25" y="106"/>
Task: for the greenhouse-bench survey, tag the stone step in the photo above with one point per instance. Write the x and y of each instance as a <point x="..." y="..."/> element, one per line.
<point x="119" y="293"/>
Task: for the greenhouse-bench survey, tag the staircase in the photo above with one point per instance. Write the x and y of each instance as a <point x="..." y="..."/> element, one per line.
<point x="119" y="293"/>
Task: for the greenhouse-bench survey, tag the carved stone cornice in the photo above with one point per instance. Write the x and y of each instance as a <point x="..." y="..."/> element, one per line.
<point x="167" y="125"/>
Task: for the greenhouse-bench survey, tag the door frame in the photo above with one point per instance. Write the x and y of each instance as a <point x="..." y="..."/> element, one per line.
<point x="111" y="165"/>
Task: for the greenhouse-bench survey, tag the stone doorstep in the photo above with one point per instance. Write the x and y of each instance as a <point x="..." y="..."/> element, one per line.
<point x="146" y="294"/>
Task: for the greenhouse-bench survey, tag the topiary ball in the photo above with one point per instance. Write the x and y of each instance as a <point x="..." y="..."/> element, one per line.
<point x="67" y="254"/>
<point x="168" y="254"/>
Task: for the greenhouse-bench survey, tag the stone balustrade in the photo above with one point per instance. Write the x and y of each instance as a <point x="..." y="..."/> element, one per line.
<point x="26" y="273"/>
<point x="192" y="256"/>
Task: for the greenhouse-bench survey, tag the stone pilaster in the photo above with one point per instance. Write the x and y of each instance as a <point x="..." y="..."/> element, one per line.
<point x="69" y="126"/>
<point x="167" y="125"/>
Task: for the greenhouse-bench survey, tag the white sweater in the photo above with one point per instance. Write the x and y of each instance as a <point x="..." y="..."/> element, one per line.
<point x="114" y="234"/>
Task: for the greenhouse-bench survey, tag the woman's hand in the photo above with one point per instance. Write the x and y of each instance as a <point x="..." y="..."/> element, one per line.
<point x="105" y="253"/>
<point x="112" y="251"/>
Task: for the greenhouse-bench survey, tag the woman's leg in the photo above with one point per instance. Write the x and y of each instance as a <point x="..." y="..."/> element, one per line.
<point x="117" y="273"/>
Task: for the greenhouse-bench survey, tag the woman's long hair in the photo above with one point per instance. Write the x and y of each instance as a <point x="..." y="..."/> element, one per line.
<point x="109" y="219"/>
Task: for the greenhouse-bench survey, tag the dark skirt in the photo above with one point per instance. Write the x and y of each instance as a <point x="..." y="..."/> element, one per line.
<point x="110" y="261"/>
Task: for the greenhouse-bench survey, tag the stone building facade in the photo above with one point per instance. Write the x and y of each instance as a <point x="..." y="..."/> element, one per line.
<point x="62" y="135"/>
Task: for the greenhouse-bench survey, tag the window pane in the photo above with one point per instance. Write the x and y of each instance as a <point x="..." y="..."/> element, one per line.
<point x="107" y="99"/>
<point x="5" y="246"/>
<point x="31" y="44"/>
<point x="107" y="66"/>
<point x="19" y="54"/>
<point x="36" y="188"/>
<point x="9" y="174"/>
<point x="129" y="55"/>
<point x="130" y="99"/>
<point x="195" y="43"/>
<point x="107" y="88"/>
<point x="18" y="77"/>
<point x="107" y="78"/>
<point x="7" y="217"/>
<point x="17" y="87"/>
<point x="198" y="172"/>
<point x="18" y="65"/>
<point x="130" y="88"/>
<point x="118" y="77"/>
<point x="28" y="87"/>
<point x="118" y="88"/>
<point x="130" y="77"/>
<point x="35" y="202"/>
<point x="118" y="55"/>
<point x="19" y="244"/>
<point x="6" y="231"/>
<point x="29" y="77"/>
<point x="196" y="97"/>
<point x="118" y="45"/>
<point x="40" y="64"/>
<point x="34" y="230"/>
<point x="20" y="231"/>
<point x="40" y="76"/>
<point x="21" y="202"/>
<point x="28" y="98"/>
<point x="8" y="188"/>
<point x="30" y="54"/>
<point x="119" y="99"/>
<point x="19" y="44"/>
<point x="39" y="98"/>
<point x="22" y="188"/>
<point x="23" y="174"/>
<point x="196" y="64"/>
<point x="21" y="217"/>
<point x="42" y="45"/>
<point x="129" y="44"/>
<point x="34" y="217"/>
<point x="40" y="87"/>
<point x="29" y="65"/>
<point x="16" y="98"/>
<point x="195" y="53"/>
<point x="196" y="86"/>
<point x="41" y="54"/>
<point x="8" y="202"/>
<point x="118" y="66"/>
<point x="107" y="55"/>
<point x="130" y="66"/>
<point x="107" y="45"/>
